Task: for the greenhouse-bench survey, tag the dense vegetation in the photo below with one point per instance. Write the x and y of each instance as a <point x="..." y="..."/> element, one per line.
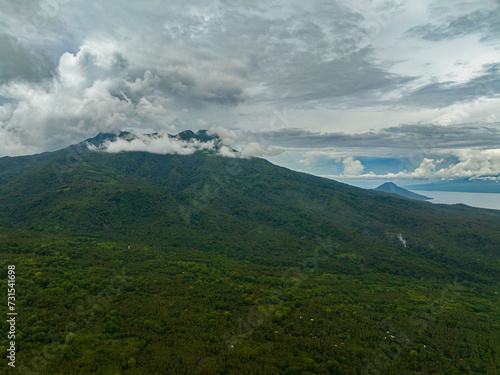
<point x="136" y="263"/>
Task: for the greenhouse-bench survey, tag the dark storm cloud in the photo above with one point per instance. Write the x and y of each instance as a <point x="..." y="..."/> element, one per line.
<point x="192" y="89"/>
<point x="345" y="81"/>
<point x="18" y="62"/>
<point x="400" y="137"/>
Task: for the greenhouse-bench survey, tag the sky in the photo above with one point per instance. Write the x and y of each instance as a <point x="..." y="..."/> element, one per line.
<point x="359" y="91"/>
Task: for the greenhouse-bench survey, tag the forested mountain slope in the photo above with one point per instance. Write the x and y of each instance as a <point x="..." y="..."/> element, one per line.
<point x="138" y="263"/>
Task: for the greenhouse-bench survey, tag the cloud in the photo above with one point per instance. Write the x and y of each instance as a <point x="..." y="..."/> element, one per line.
<point x="352" y="167"/>
<point x="485" y="84"/>
<point x="92" y="92"/>
<point x="162" y="143"/>
<point x="428" y="137"/>
<point x="475" y="165"/>
<point x="483" y="22"/>
<point x="259" y="150"/>
<point x="200" y="83"/>
<point x="231" y="139"/>
<point x="228" y="137"/>
<point x="19" y="63"/>
<point x="158" y="144"/>
<point x="70" y="69"/>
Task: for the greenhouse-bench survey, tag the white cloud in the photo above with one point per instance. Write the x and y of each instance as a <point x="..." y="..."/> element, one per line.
<point x="160" y="144"/>
<point x="259" y="149"/>
<point x="470" y="112"/>
<point x="311" y="157"/>
<point x="352" y="167"/>
<point x="88" y="96"/>
<point x="228" y="136"/>
<point x="228" y="152"/>
<point x="249" y="148"/>
<point x="476" y="164"/>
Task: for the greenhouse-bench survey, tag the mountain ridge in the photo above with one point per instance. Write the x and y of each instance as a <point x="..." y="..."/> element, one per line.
<point x="194" y="181"/>
<point x="12" y="166"/>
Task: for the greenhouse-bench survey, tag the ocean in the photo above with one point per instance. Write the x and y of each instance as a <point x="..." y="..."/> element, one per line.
<point x="482" y="200"/>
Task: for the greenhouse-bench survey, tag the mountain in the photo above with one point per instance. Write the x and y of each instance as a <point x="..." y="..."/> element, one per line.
<point x="390" y="187"/>
<point x="135" y="262"/>
<point x="462" y="185"/>
<point x="11" y="167"/>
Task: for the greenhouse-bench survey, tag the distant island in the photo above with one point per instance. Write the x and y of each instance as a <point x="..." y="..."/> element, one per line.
<point x="465" y="185"/>
<point x="390" y="187"/>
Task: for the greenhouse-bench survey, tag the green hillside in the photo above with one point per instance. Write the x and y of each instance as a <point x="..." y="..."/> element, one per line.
<point x="138" y="263"/>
